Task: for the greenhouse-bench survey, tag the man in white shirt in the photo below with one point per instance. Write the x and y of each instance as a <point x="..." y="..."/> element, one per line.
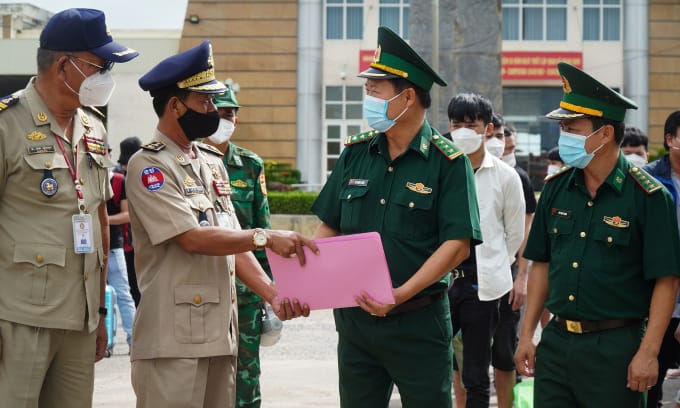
<point x="482" y="279"/>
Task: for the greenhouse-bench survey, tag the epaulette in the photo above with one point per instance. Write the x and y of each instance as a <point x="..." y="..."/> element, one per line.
<point x="361" y="137"/>
<point x="645" y="180"/>
<point x="96" y="111"/>
<point x="561" y="171"/>
<point x="244" y="152"/>
<point x="208" y="148"/>
<point x="154" y="146"/>
<point x="8" y="101"/>
<point x="445" y="147"/>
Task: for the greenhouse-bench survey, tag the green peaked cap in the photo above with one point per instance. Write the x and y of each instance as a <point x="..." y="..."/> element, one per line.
<point x="586" y="96"/>
<point x="394" y="58"/>
<point x="227" y="99"/>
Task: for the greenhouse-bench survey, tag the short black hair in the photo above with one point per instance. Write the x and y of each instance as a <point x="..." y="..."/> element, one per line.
<point x="497" y="121"/>
<point x="619" y="127"/>
<point x="423" y="96"/>
<point x="509" y="129"/>
<point x="470" y="106"/>
<point x="162" y="96"/>
<point x="635" y="137"/>
<point x="671" y="126"/>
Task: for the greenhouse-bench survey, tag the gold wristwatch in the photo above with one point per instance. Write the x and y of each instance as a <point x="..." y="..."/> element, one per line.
<point x="260" y="238"/>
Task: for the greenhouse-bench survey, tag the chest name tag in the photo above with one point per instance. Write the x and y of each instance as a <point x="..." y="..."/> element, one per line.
<point x="82" y="234"/>
<point x="358" y="182"/>
<point x="193" y="190"/>
<point x="40" y="149"/>
<point x="561" y="213"/>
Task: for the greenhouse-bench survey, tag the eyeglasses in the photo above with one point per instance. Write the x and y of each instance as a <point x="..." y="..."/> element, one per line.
<point x="108" y="65"/>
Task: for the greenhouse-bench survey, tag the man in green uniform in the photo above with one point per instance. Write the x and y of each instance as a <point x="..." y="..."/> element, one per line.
<point x="414" y="187"/>
<point x="249" y="197"/>
<point x="54" y="238"/>
<point x="604" y="244"/>
<point x="183" y="223"/>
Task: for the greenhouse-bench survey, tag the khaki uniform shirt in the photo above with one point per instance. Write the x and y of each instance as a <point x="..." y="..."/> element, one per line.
<point x="43" y="282"/>
<point x="606" y="252"/>
<point x="249" y="196"/>
<point x="188" y="300"/>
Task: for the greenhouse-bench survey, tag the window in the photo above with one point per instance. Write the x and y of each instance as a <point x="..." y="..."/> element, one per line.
<point x="343" y="116"/>
<point x="344" y="19"/>
<point x="602" y="20"/>
<point x="535" y="20"/>
<point x="394" y="14"/>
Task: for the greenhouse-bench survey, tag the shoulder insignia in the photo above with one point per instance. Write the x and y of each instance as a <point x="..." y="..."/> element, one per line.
<point x="7" y="101"/>
<point x="154" y="146"/>
<point x="555" y="174"/>
<point x="208" y="148"/>
<point x="643" y="179"/>
<point x="96" y="111"/>
<point x="445" y="147"/>
<point x="361" y="137"/>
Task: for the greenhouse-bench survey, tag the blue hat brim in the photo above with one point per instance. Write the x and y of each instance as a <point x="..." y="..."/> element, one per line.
<point x="114" y="51"/>
<point x="565" y="114"/>
<point x="375" y="73"/>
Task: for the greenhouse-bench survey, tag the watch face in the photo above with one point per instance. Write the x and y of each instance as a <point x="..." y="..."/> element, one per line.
<point x="260" y="238"/>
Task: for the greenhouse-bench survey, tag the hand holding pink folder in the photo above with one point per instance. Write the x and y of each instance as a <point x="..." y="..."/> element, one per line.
<point x="345" y="266"/>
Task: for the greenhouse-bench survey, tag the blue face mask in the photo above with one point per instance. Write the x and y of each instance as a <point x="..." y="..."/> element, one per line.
<point x="573" y="149"/>
<point x="375" y="112"/>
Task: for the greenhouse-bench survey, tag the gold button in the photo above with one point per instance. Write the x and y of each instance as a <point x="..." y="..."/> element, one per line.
<point x="554" y="230"/>
<point x="233" y="298"/>
<point x="411" y="205"/>
<point x="82" y="181"/>
<point x="86" y="276"/>
<point x="571" y="298"/>
<point x="390" y="169"/>
<point x="197" y="300"/>
<point x="590" y="203"/>
<point x="48" y="164"/>
<point x="610" y="239"/>
<point x="201" y="206"/>
<point x="582" y="234"/>
<point x="349" y="196"/>
<point x="382" y="201"/>
<point x="39" y="259"/>
<point x="574" y="265"/>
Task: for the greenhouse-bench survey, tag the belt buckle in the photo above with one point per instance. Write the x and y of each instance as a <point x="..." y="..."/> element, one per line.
<point x="457" y="274"/>
<point x="574" y="326"/>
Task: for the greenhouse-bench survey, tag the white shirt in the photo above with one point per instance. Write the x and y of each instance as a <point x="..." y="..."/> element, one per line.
<point x="501" y="217"/>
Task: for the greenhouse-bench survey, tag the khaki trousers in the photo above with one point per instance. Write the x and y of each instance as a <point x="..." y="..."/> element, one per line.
<point x="208" y="382"/>
<point x="45" y="368"/>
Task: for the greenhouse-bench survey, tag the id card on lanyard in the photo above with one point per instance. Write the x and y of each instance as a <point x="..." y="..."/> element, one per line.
<point x="83" y="237"/>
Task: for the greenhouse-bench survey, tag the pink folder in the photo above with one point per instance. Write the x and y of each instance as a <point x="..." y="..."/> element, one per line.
<point x="345" y="266"/>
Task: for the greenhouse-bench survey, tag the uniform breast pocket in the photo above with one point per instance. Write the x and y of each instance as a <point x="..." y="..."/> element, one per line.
<point x="197" y="314"/>
<point x="353" y="199"/>
<point x="560" y="232"/>
<point x="411" y="216"/>
<point x="201" y="206"/>
<point x="45" y="166"/>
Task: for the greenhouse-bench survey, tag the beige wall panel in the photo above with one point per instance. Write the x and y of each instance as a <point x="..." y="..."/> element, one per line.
<point x="259" y="45"/>
<point x="664" y="10"/>
<point x="263" y="79"/>
<point x="664" y="47"/>
<point x="658" y="115"/>
<point x="664" y="65"/>
<point x="660" y="99"/>
<point x="270" y="150"/>
<point x="251" y="62"/>
<point x="240" y="28"/>
<point x="273" y="10"/>
<point x="263" y="114"/>
<point x="268" y="97"/>
<point x="267" y="131"/>
<point x="664" y="82"/>
<point x="664" y="29"/>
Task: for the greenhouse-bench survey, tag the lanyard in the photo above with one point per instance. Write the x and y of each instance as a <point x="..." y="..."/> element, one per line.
<point x="73" y="169"/>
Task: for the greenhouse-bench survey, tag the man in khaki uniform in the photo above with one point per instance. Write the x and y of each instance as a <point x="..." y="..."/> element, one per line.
<point x="53" y="222"/>
<point x="184" y="343"/>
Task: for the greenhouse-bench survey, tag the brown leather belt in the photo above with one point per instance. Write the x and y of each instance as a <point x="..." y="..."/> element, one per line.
<point x="415" y="304"/>
<point x="590" y="326"/>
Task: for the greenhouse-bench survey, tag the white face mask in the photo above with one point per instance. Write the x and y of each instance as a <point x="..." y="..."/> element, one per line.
<point x="510" y="159"/>
<point x="96" y="89"/>
<point x="636" y="159"/>
<point x="223" y="132"/>
<point x="467" y="140"/>
<point x="552" y="168"/>
<point x="495" y="146"/>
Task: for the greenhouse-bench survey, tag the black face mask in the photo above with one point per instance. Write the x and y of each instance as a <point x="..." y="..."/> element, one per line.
<point x="197" y="125"/>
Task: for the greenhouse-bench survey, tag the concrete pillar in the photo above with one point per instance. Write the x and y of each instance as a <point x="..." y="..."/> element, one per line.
<point x="636" y="61"/>
<point x="309" y="104"/>
<point x="462" y="40"/>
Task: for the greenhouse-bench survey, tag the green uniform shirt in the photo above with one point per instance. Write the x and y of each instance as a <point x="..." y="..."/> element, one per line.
<point x="604" y="252"/>
<point x="416" y="202"/>
<point x="249" y="196"/>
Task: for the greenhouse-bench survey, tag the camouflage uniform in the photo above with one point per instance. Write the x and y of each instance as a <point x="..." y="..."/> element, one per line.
<point x="249" y="196"/>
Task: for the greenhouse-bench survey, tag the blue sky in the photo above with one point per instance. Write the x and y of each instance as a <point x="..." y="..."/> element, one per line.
<point x="125" y="14"/>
